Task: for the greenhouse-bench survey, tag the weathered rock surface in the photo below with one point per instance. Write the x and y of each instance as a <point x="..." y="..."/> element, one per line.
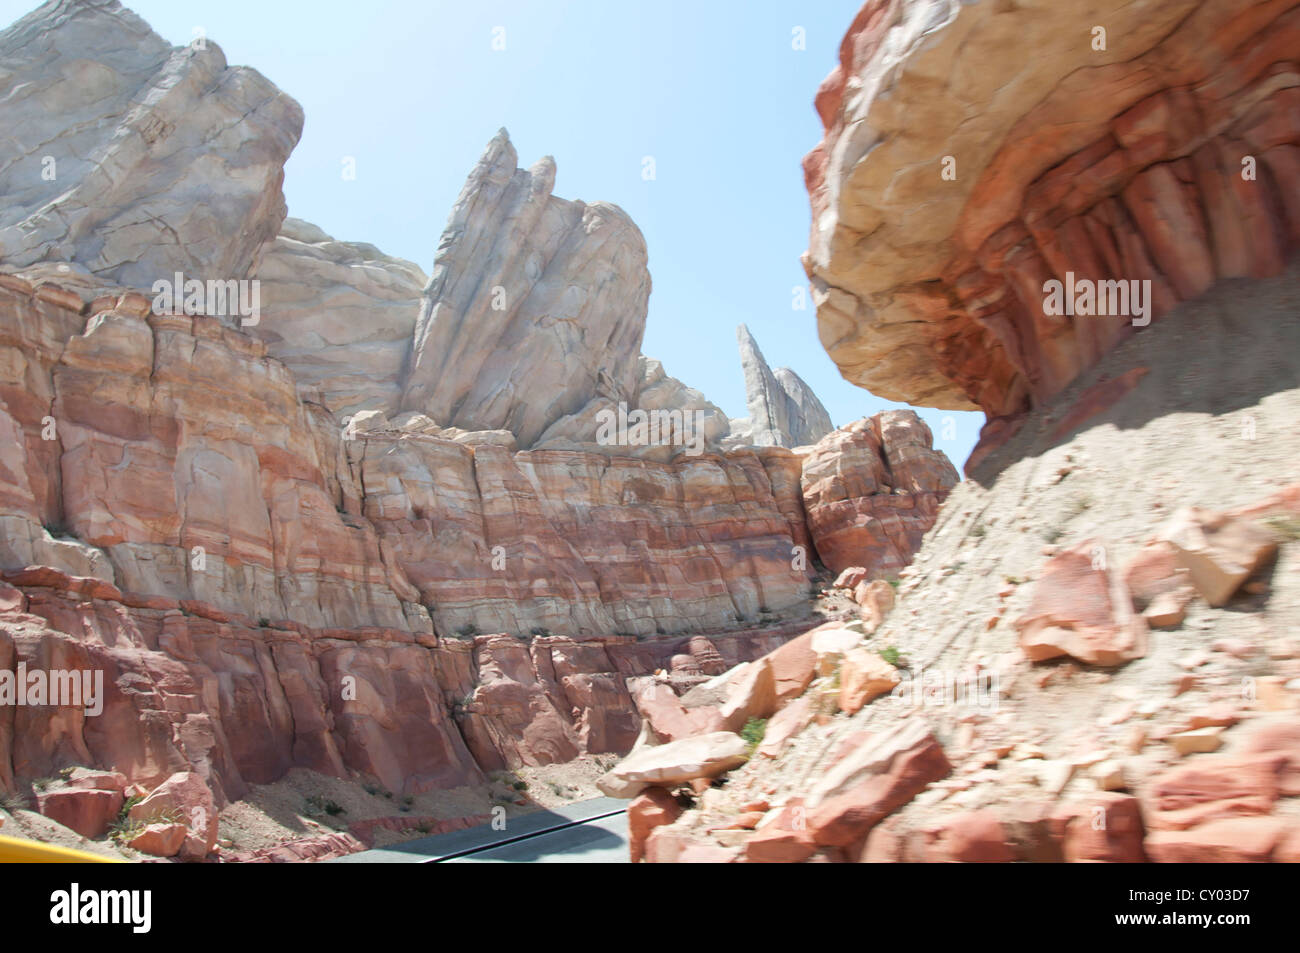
<point x="255" y="587"/>
<point x="700" y="756"/>
<point x="1185" y="752"/>
<point x="783" y="410"/>
<point x="535" y="304"/>
<point x="340" y="314"/>
<point x="679" y="419"/>
<point x="872" y="490"/>
<point x="135" y="159"/>
<point x="1179" y="165"/>
<point x="174" y="433"/>
<point x="1082" y="610"/>
<point x="236" y="704"/>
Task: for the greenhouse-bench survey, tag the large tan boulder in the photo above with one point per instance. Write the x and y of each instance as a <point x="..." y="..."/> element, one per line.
<point x="655" y="808"/>
<point x="864" y="676"/>
<point x="703" y="756"/>
<point x="1219" y="551"/>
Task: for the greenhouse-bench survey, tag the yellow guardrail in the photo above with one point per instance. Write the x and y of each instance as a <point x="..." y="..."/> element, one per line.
<point x="14" y="850"/>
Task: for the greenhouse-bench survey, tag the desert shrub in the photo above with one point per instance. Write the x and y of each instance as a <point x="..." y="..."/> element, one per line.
<point x="753" y="732"/>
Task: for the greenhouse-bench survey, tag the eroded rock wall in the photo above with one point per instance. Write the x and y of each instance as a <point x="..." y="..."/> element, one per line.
<point x="941" y="209"/>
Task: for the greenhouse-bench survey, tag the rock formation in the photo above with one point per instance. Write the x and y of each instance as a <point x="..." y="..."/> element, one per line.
<point x="132" y="159"/>
<point x="1023" y="699"/>
<point x="312" y="539"/>
<point x="340" y="315"/>
<point x="783" y="410"/>
<point x="685" y="421"/>
<point x="188" y="687"/>
<point x="171" y="432"/>
<point x="872" y="490"/>
<point x="535" y="305"/>
<point x="938" y="217"/>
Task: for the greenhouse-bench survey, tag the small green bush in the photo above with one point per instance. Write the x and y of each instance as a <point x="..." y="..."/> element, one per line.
<point x="752" y="734"/>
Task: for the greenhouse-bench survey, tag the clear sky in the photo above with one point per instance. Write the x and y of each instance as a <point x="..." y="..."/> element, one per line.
<point x="714" y="90"/>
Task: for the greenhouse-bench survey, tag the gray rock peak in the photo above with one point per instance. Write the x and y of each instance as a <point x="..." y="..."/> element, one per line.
<point x="535" y="304"/>
<point x="783" y="410"/>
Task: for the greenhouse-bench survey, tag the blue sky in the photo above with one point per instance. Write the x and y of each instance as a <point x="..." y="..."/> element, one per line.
<point x="714" y="91"/>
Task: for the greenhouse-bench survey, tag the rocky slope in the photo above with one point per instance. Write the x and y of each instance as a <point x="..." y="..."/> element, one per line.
<point x="1092" y="657"/>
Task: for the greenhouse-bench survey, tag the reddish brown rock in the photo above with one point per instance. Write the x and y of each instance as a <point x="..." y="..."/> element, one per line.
<point x="873" y="780"/>
<point x="706" y="655"/>
<point x="872" y="490"/>
<point x="774" y="845"/>
<point x="932" y="241"/>
<point x="647" y="811"/>
<point x="785" y="724"/>
<point x="793" y="667"/>
<point x="85" y="810"/>
<point x="1236" y="840"/>
<point x="1080" y="610"/>
<point x="974" y="837"/>
<point x="668" y="845"/>
<point x="161" y="840"/>
<point x="1106" y="828"/>
<point x="183" y="799"/>
<point x="751" y="694"/>
<point x="667" y="717"/>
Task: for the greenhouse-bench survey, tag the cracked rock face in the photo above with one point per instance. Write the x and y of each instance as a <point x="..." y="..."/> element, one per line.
<point x="340" y="315"/>
<point x="535" y="305"/>
<point x="701" y="426"/>
<point x="1180" y="165"/>
<point x="783" y="410"/>
<point x="872" y="491"/>
<point x="133" y="159"/>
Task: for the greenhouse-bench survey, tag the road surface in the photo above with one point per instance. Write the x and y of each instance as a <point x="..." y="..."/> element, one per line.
<point x="588" y="832"/>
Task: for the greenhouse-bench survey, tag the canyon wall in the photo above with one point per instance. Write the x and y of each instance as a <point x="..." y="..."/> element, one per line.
<point x="372" y="529"/>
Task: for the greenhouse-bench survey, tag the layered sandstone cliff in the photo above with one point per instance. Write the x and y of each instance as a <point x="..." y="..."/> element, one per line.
<point x="372" y="529"/>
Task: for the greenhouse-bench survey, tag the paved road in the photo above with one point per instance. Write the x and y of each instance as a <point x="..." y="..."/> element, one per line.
<point x="588" y="832"/>
<point x="600" y="841"/>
